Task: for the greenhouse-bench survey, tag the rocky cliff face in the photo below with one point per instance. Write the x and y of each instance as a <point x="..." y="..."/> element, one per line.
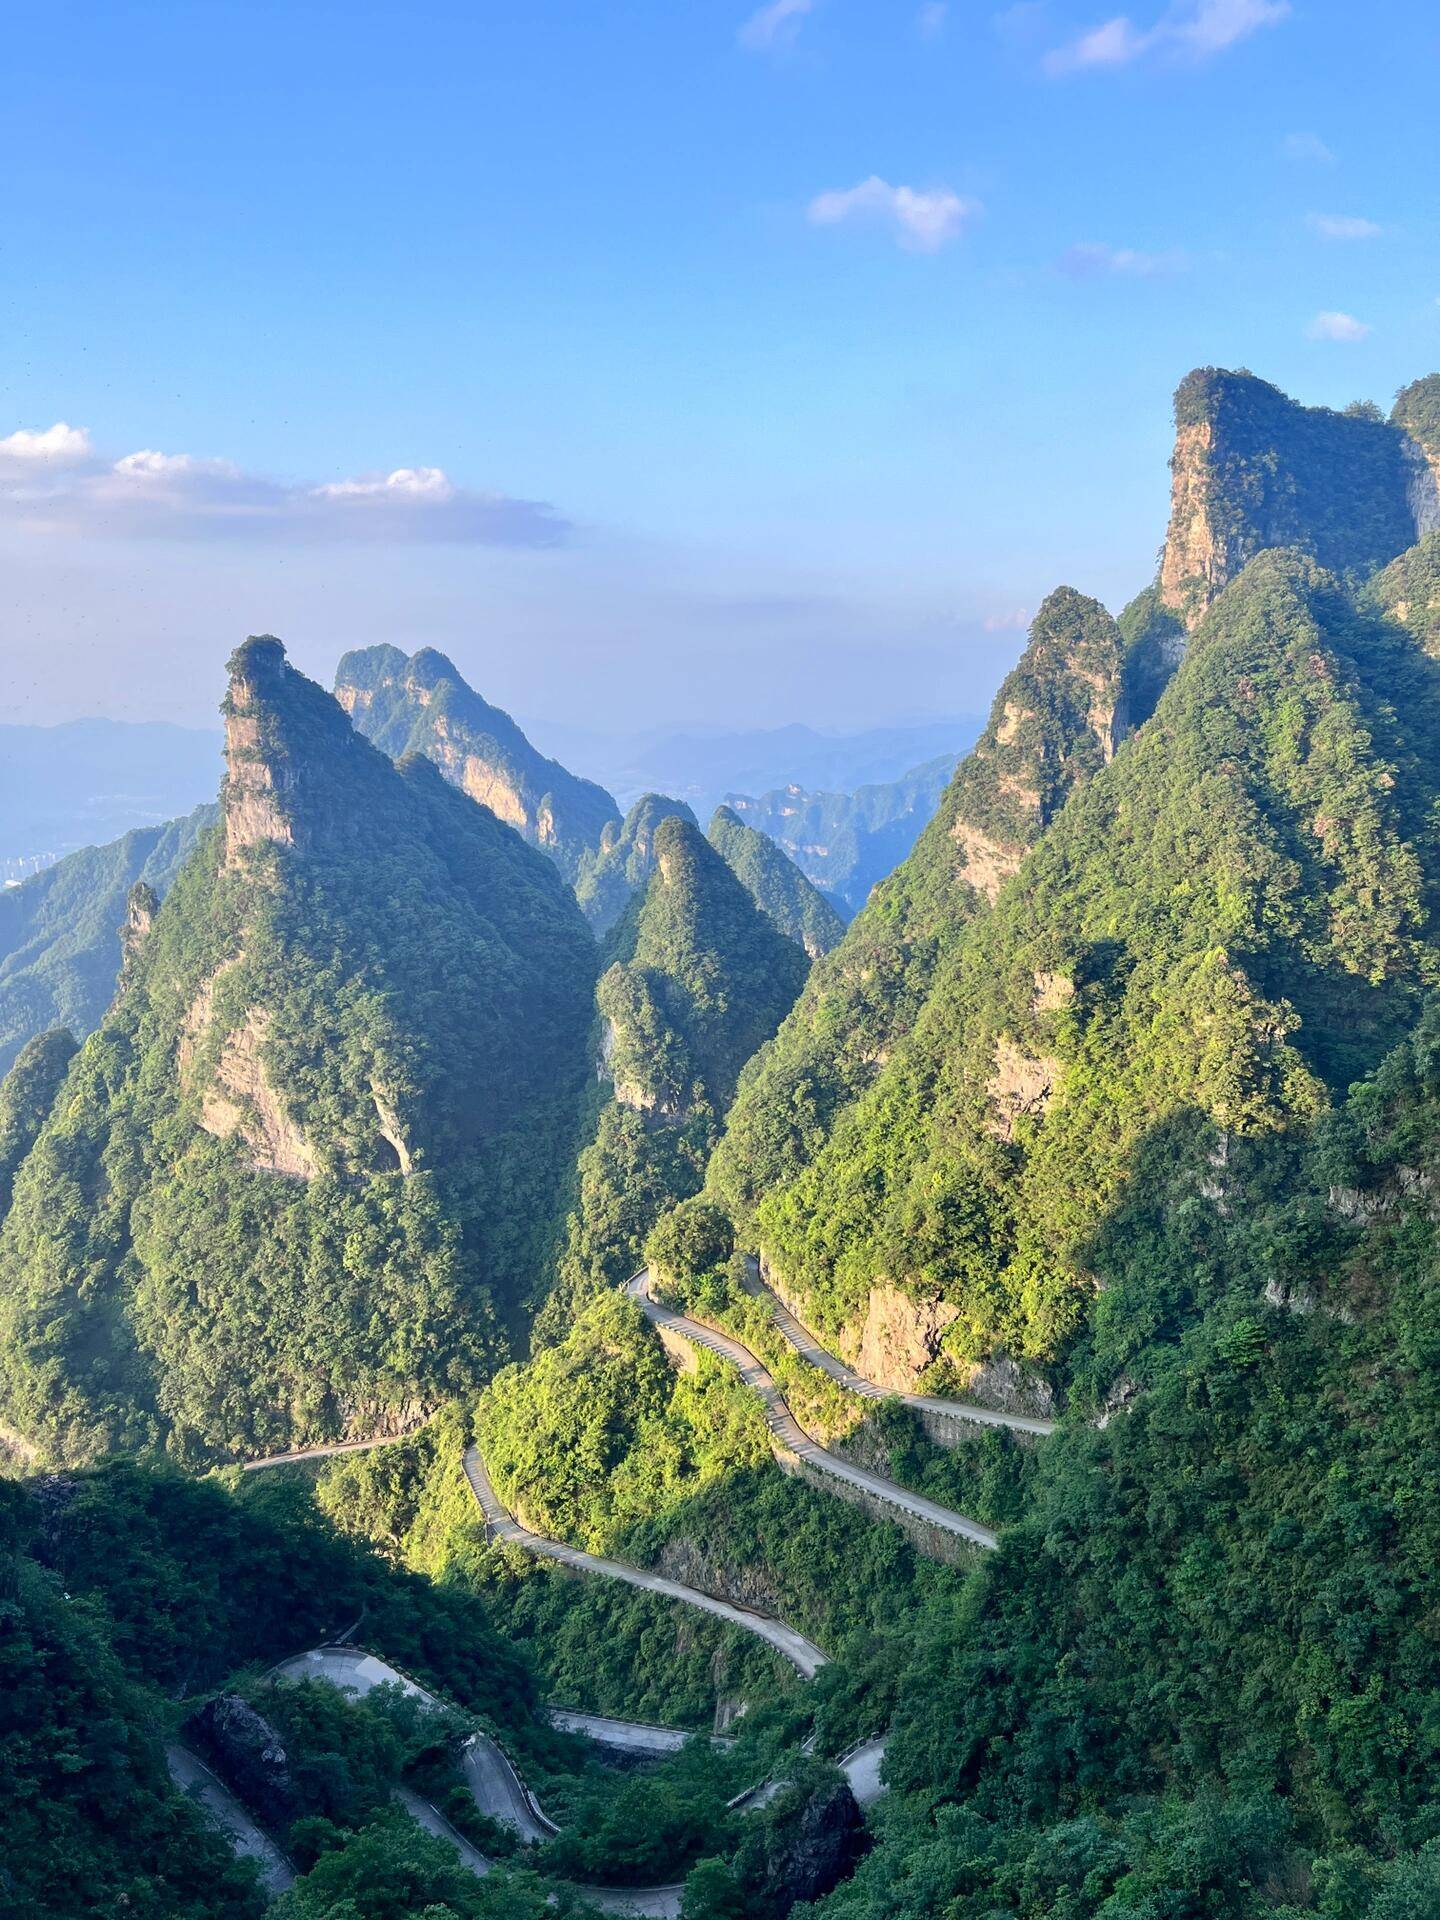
<point x="421" y="704"/>
<point x="1417" y="416"/>
<point x="1254" y="469"/>
<point x="256" y="798"/>
<point x="1057" y="719"/>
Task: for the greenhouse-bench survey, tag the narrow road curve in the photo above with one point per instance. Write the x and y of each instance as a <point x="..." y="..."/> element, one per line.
<point x="496" y="1787"/>
<point x="803" y="1654"/>
<point x="809" y="1348"/>
<point x="228" y="1817"/>
<point x="787" y="1433"/>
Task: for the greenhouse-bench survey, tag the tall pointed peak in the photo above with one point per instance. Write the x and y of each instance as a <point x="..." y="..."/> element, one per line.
<point x="1057" y="719"/>
<point x="284" y="736"/>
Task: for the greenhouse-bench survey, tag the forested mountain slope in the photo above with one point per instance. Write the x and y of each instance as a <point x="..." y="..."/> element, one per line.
<point x="1219" y="932"/>
<point x="422" y="705"/>
<point x="297" y="1183"/>
<point x="695" y="979"/>
<point x="1201" y="1678"/>
<point x="620" y="866"/>
<point x="60" y="930"/>
<point x="1053" y="725"/>
<point x="776" y="884"/>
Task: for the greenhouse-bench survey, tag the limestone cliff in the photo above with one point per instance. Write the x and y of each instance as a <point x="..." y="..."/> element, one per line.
<point x="421" y="704"/>
<point x="1253" y="469"/>
<point x="1057" y="719"/>
<point x="1416" y="414"/>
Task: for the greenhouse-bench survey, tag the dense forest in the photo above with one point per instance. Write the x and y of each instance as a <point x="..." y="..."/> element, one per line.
<point x="1119" y="1099"/>
<point x="295" y="1183"/>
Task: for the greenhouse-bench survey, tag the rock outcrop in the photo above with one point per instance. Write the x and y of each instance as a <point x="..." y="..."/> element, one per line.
<point x="1058" y="719"/>
<point x="422" y="704"/>
<point x="248" y="1754"/>
<point x="259" y="773"/>
<point x="1254" y="469"/>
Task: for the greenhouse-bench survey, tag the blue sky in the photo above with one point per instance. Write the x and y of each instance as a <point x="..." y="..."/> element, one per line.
<point x="667" y="362"/>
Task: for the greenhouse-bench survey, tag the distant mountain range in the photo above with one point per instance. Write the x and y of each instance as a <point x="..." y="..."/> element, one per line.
<point x="705" y="768"/>
<point x="89" y="781"/>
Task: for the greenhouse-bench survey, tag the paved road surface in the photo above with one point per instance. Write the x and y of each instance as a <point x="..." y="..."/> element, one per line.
<point x="495" y="1785"/>
<point x="328" y="1451"/>
<point x="497" y="1788"/>
<point x="803" y="1654"/>
<point x="809" y="1348"/>
<point x="225" y="1813"/>
<point x="626" y="1736"/>
<point x="788" y="1432"/>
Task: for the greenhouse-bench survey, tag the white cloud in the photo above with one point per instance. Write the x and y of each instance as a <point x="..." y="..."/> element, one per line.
<point x="413" y="483"/>
<point x="55" y="482"/>
<point x="775" y="25"/>
<point x="147" y="464"/>
<point x="1337" y="326"/>
<point x="1015" y="621"/>
<point x="57" y="446"/>
<point x="922" y="219"/>
<point x="1193" y="30"/>
<point x="1308" y="148"/>
<point x="1090" y="258"/>
<point x="930" y="21"/>
<point x="1342" y="226"/>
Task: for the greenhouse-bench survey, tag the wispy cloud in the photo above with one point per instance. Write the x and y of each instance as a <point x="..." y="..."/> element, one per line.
<point x="1342" y="226"/>
<point x="1016" y="620"/>
<point x="1090" y="259"/>
<point x="921" y="219"/>
<point x="52" y="480"/>
<point x="1307" y="148"/>
<point x="930" y="21"/>
<point x="1343" y="327"/>
<point x="1195" y="30"/>
<point x="775" y="25"/>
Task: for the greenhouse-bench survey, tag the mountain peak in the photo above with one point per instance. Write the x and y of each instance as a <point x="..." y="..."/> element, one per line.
<point x="1058" y="718"/>
<point x="1253" y="468"/>
<point x="421" y="703"/>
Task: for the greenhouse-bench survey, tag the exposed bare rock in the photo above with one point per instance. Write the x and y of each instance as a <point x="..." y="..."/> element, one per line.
<point x="984" y="863"/>
<point x="1423" y="486"/>
<point x="1020" y="1086"/>
<point x="241" y="1100"/>
<point x="809" y="1849"/>
<point x="248" y="1754"/>
<point x="901" y="1337"/>
<point x="1052" y="991"/>
<point x="1002" y="1383"/>
<point x="1196" y="562"/>
<point x="695" y="1566"/>
<point x="257" y="782"/>
<point x="391" y="1131"/>
<point x="141" y="907"/>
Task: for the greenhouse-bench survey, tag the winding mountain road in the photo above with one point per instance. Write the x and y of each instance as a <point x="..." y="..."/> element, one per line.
<point x="230" y="1820"/>
<point x="500" y="1524"/>
<point x="495" y="1786"/>
<point x="787" y="1433"/>
<point x="809" y="1348"/>
<point x="490" y="1775"/>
